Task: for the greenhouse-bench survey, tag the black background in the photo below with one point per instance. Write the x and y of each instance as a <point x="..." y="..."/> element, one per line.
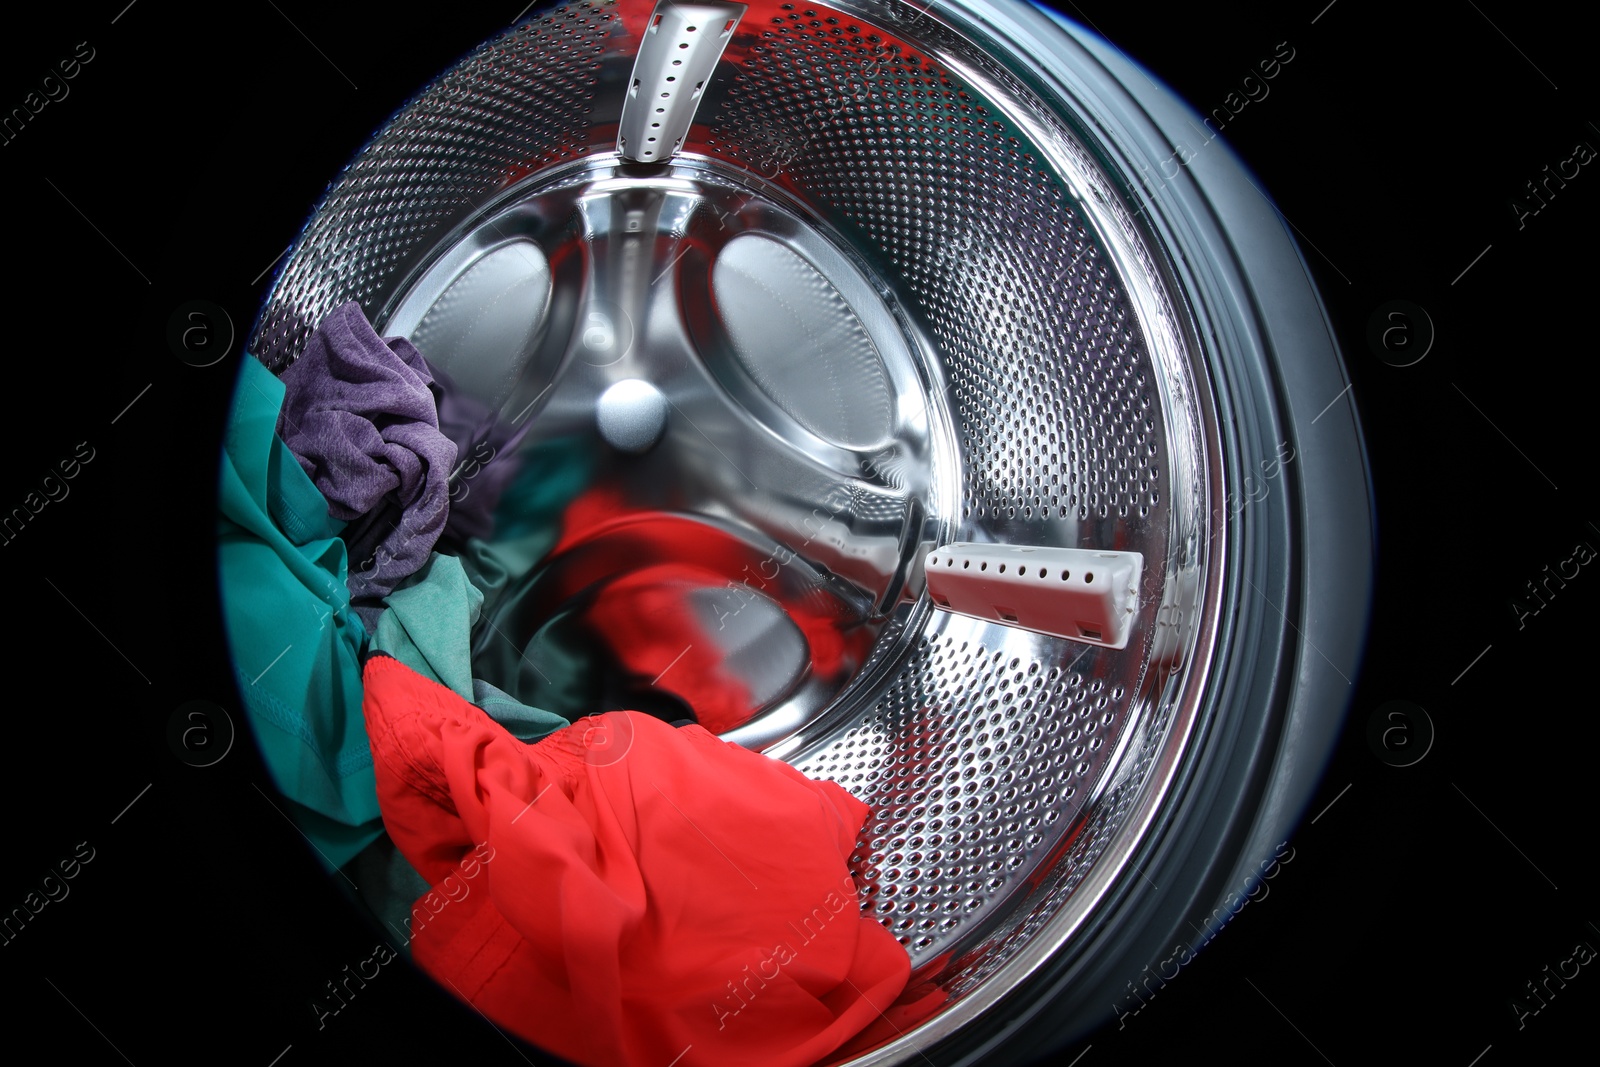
<point x="1419" y="901"/>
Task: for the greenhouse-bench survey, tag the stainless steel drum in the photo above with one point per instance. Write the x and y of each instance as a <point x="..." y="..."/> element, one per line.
<point x="915" y="322"/>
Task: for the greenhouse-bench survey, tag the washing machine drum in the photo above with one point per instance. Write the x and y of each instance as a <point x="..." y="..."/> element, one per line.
<point x="994" y="454"/>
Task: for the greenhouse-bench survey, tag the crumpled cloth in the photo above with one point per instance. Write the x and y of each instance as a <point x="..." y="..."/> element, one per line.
<point x="644" y="895"/>
<point x="428" y="627"/>
<point x="296" y="644"/>
<point x="360" y="414"/>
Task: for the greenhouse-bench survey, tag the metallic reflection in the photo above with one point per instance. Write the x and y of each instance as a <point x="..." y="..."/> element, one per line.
<point x="740" y="555"/>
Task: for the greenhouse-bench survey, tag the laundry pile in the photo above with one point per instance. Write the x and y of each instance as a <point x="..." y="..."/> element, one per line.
<point x="642" y="892"/>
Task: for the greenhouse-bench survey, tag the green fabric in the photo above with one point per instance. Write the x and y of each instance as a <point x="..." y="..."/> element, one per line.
<point x="296" y="644"/>
<point x="550" y="475"/>
<point x="427" y="625"/>
<point x="551" y="671"/>
<point x="555" y="670"/>
<point x="427" y="621"/>
<point x="525" y="722"/>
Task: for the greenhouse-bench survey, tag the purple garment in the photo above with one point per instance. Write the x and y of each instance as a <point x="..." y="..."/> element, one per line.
<point x="360" y="414"/>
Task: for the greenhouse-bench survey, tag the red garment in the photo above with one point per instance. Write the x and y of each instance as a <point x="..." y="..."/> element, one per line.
<point x="646" y="617"/>
<point x="636" y="894"/>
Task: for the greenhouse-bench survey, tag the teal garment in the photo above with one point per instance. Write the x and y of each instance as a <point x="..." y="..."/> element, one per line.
<point x="426" y="622"/>
<point x="296" y="644"/>
<point x="525" y="722"/>
<point x="427" y="625"/>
